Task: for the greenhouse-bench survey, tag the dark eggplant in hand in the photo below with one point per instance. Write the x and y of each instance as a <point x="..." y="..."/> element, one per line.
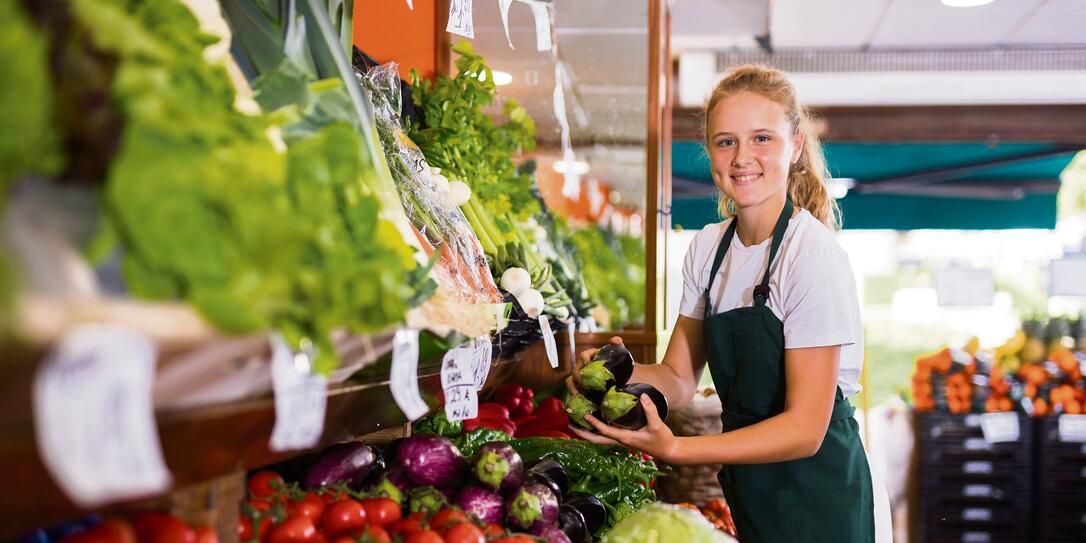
<point x="498" y="466"/>
<point x="621" y="407"/>
<point x="532" y="503"/>
<point x="612" y="366"/>
<point x="577" y="407"/>
<point x="571" y="521"/>
<point x="591" y="508"/>
<point x="554" y="472"/>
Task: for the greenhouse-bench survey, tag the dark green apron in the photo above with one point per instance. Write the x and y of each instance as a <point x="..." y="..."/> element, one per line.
<point x="826" y="497"/>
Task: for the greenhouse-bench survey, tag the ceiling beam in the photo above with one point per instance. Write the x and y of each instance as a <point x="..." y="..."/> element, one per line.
<point x="902" y="124"/>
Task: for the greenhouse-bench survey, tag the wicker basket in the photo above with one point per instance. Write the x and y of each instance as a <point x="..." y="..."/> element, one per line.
<point x="694" y="484"/>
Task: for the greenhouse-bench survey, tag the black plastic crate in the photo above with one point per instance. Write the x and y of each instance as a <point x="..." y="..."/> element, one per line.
<point x="969" y="471"/>
<point x="944" y="439"/>
<point x="956" y="533"/>
<point x="1064" y="529"/>
<point x="976" y="495"/>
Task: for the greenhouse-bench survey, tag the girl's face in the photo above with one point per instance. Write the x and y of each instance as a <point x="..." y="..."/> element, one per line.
<point x="751" y="146"/>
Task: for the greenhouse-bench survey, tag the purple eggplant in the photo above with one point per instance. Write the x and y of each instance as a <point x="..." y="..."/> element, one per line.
<point x="621" y="406"/>
<point x="591" y="508"/>
<point x="554" y="472"/>
<point x="577" y="407"/>
<point x="485" y="504"/>
<point x="572" y="523"/>
<point x="430" y="460"/>
<point x="550" y="533"/>
<point x="531" y="504"/>
<point x="612" y="366"/>
<point x="392" y="484"/>
<point x="497" y="466"/>
<point x="351" y="463"/>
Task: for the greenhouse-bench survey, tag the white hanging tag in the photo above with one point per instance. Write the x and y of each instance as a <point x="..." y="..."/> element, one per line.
<point x="458" y="383"/>
<point x="301" y="399"/>
<point x="999" y="427"/>
<point x="411" y="5"/>
<point x="504" y="6"/>
<point x="403" y="378"/>
<point x="571" y="330"/>
<point x="481" y="356"/>
<point x="548" y="340"/>
<point x="460" y="22"/>
<point x="542" y="26"/>
<point x="1072" y="428"/>
<point x="94" y="423"/>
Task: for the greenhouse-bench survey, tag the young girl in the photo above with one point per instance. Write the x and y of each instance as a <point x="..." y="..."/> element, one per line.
<point x="770" y="302"/>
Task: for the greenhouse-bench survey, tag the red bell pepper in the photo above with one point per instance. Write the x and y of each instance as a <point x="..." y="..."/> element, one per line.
<point x="505" y="425"/>
<point x="494" y="409"/>
<point x="517" y="398"/>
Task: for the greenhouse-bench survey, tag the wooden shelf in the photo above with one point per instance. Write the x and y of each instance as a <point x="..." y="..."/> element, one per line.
<point x="201" y="443"/>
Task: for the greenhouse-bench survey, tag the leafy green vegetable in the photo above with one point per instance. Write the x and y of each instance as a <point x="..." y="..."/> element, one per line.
<point x="471" y="441"/>
<point x="437" y="423"/>
<point x="614" y="271"/>
<point x="661" y="522"/>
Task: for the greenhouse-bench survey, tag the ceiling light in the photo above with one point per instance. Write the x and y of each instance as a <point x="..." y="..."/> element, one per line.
<point x="838" y="186"/>
<point x="502" y="78"/>
<point x="579" y="167"/>
<point x="966" y="3"/>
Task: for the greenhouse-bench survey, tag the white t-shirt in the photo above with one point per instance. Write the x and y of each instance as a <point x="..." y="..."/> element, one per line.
<point x="812" y="289"/>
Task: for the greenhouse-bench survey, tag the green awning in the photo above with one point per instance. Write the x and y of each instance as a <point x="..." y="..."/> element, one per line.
<point x="969" y="186"/>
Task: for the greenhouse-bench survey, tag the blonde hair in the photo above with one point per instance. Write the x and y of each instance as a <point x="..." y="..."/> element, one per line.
<point x="806" y="178"/>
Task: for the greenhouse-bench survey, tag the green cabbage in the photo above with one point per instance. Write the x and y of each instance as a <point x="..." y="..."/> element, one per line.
<point x="662" y="523"/>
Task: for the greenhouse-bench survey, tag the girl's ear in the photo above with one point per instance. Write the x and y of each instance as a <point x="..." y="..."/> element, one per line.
<point x="797" y="141"/>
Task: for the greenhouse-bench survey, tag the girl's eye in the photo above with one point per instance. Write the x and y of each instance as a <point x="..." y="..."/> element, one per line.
<point x="761" y="138"/>
<point x="726" y="142"/>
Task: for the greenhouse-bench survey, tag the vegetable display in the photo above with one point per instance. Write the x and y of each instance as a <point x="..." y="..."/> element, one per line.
<point x="613" y="268"/>
<point x="657" y="522"/>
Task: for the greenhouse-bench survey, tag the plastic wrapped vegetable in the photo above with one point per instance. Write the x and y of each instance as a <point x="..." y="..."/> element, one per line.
<point x="660" y="522"/>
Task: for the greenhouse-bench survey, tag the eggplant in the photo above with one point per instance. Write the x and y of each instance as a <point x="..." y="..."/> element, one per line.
<point x="430" y="460"/>
<point x="554" y="472"/>
<point x="485" y="504"/>
<point x="497" y="466"/>
<point x="550" y="533"/>
<point x="392" y="484"/>
<point x="591" y="508"/>
<point x="426" y="500"/>
<point x="351" y="463"/>
<point x="531" y="504"/>
<point x="572" y="522"/>
<point x="612" y="366"/>
<point x="577" y="407"/>
<point x="622" y="408"/>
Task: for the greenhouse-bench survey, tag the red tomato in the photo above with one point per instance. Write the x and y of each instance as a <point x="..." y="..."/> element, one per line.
<point x="155" y="527"/>
<point x="381" y="511"/>
<point x="412" y="524"/>
<point x="108" y="531"/>
<point x="265" y="484"/>
<point x="425" y="536"/>
<point x="332" y="496"/>
<point x="514" y="539"/>
<point x="257" y="505"/>
<point x="447" y="518"/>
<point x="311" y="505"/>
<point x="245" y="528"/>
<point x="206" y="535"/>
<point x="493" y="531"/>
<point x="464" y="533"/>
<point x="343" y="517"/>
<point x="344" y="539"/>
<point x="375" y="534"/>
<point x="293" y="530"/>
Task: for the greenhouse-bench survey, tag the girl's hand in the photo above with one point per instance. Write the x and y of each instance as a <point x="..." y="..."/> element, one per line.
<point x="582" y="360"/>
<point x="655" y="439"/>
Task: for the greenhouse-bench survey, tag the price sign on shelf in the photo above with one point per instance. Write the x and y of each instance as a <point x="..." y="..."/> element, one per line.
<point x="404" y="376"/>
<point x="482" y="352"/>
<point x="458" y="383"/>
<point x="93" y="418"/>
<point x="301" y="399"/>
<point x="460" y="16"/>
<point x="1072" y="428"/>
<point x="548" y="340"/>
<point x="1000" y="427"/>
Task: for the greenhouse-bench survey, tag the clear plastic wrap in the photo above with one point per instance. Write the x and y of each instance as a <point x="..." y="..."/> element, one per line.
<point x="439" y="223"/>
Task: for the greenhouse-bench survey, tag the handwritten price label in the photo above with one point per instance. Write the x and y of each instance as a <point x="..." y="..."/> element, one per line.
<point x="301" y="399"/>
<point x="460" y="19"/>
<point x="458" y="383"/>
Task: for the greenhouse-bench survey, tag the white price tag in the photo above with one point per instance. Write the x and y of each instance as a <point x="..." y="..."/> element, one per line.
<point x="571" y="329"/>
<point x="542" y="26"/>
<point x="1072" y="428"/>
<point x="460" y="19"/>
<point x="482" y="352"/>
<point x="503" y="5"/>
<point x="458" y="384"/>
<point x="404" y="376"/>
<point x="301" y="399"/>
<point x="411" y="5"/>
<point x="93" y="418"/>
<point x="999" y="427"/>
<point x="548" y="340"/>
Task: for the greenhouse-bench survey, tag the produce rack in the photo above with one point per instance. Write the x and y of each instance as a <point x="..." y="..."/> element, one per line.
<point x="1061" y="485"/>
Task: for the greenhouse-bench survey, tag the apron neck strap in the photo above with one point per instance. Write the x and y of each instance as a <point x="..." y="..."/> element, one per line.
<point x="761" y="292"/>
<point x="721" y="250"/>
